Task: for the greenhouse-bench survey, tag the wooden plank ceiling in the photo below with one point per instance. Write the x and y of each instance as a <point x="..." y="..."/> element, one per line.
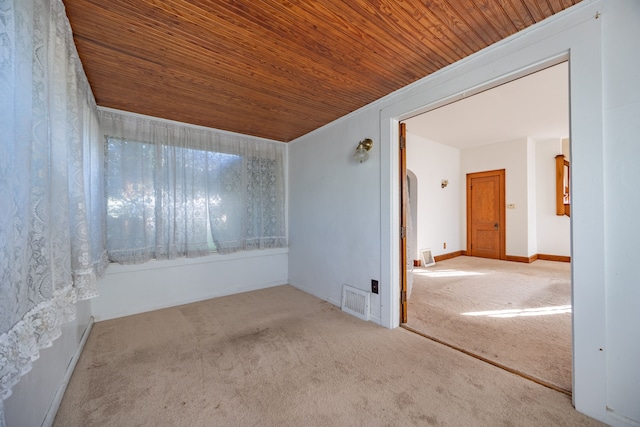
<point x="278" y="69"/>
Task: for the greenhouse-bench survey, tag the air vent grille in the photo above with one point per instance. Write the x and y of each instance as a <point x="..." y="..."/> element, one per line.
<point x="356" y="302"/>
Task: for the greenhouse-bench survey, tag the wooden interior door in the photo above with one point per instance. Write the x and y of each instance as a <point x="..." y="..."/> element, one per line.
<point x="486" y="214"/>
<point x="403" y="223"/>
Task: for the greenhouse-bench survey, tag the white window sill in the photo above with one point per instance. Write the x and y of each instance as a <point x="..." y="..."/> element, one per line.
<point x="116" y="268"/>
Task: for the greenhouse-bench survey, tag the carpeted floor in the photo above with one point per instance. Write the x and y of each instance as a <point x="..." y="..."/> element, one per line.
<point x="521" y="313"/>
<point x="280" y="357"/>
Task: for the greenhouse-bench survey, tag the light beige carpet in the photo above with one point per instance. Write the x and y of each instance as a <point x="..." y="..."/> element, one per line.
<point x="280" y="357"/>
<point x="520" y="313"/>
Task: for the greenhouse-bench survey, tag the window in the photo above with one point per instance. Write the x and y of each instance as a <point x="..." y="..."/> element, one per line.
<point x="166" y="201"/>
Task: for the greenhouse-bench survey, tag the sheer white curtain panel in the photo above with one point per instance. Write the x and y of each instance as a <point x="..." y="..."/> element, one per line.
<point x="178" y="190"/>
<point x="52" y="215"/>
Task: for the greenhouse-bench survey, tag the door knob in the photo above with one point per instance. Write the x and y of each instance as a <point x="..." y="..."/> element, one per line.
<point x="495" y="225"/>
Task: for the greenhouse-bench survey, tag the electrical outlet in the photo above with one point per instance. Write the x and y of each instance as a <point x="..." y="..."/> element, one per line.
<point x="374" y="286"/>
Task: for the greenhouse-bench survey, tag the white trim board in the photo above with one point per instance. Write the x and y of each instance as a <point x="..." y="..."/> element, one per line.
<point x="62" y="388"/>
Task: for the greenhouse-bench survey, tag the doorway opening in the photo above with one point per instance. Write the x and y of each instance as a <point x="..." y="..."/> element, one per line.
<point x="516" y="315"/>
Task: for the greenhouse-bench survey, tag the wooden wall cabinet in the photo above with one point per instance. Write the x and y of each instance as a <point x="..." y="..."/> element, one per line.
<point x="563" y="197"/>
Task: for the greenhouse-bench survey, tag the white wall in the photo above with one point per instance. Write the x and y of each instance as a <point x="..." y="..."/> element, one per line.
<point x="132" y="289"/>
<point x="553" y="232"/>
<point x="621" y="73"/>
<point x="439" y="209"/>
<point x="324" y="210"/>
<point x="35" y="397"/>
<point x="334" y="213"/>
<point x="442" y="212"/>
<point x="511" y="156"/>
<point x="532" y="203"/>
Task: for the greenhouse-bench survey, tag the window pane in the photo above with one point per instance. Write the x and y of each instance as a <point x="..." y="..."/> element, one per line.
<point x="165" y="201"/>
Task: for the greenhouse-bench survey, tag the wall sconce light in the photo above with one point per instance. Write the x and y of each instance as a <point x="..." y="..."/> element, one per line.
<point x="362" y="151"/>
<point x="444" y="183"/>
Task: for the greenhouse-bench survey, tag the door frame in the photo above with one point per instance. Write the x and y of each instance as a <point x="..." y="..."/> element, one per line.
<point x="402" y="149"/>
<point x="576" y="36"/>
<point x="501" y="173"/>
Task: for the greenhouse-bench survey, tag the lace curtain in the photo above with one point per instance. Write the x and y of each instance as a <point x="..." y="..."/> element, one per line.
<point x="178" y="190"/>
<point x="51" y="219"/>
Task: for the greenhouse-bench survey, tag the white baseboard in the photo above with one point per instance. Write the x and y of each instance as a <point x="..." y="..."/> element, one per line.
<point x="375" y="319"/>
<point x="336" y="302"/>
<point x="313" y="292"/>
<point x="57" y="398"/>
